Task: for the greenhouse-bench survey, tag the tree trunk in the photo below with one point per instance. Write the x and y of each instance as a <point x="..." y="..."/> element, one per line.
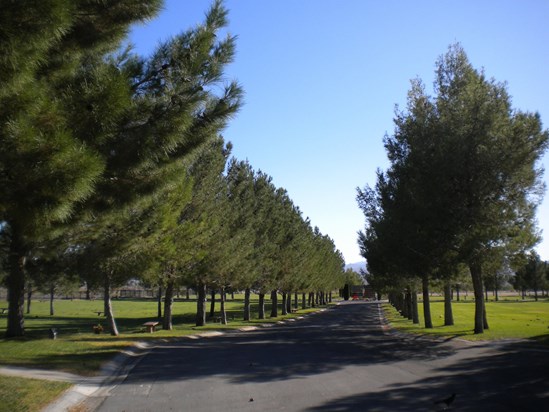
<point x="88" y="297"/>
<point x="105" y="305"/>
<point x="200" y="304"/>
<point x="399" y="303"/>
<point x="212" y="304"/>
<point x="410" y="302"/>
<point x="426" y="303"/>
<point x="111" y="322"/>
<point x="406" y="310"/>
<point x="52" y="297"/>
<point x="484" y="317"/>
<point x="168" y="301"/>
<point x="261" y="308"/>
<point x="496" y="286"/>
<point x="247" y="294"/>
<point x="415" y="310"/>
<point x="476" y="277"/>
<point x="284" y="303"/>
<point x="457" y="292"/>
<point x="159" y="302"/>
<point x="289" y="303"/>
<point x="15" y="282"/>
<point x="274" y="304"/>
<point x="29" y="297"/>
<point x="312" y="299"/>
<point x="448" y="315"/>
<point x="346" y="292"/>
<point x="187" y="297"/>
<point x="296" y="300"/>
<point x="304" y="301"/>
<point x="222" y="299"/>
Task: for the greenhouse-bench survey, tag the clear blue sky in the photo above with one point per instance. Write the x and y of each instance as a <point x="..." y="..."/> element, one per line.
<point x="322" y="78"/>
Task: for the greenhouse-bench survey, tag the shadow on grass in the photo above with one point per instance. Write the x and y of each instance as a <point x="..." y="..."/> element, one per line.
<point x="87" y="363"/>
<point x="38" y="327"/>
<point x="70" y="327"/>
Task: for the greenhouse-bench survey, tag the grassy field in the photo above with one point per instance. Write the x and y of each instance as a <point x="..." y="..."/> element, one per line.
<point x="508" y="319"/>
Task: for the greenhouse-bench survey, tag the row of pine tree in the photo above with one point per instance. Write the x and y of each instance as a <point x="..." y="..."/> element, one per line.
<point x="461" y="191"/>
<point x="112" y="164"/>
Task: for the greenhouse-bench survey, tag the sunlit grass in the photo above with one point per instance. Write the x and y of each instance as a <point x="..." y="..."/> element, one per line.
<point x="507" y="319"/>
<point x="29" y="395"/>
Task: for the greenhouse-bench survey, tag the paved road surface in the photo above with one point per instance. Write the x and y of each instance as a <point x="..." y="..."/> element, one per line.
<point x="338" y="360"/>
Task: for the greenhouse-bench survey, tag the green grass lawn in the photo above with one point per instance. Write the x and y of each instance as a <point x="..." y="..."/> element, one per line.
<point x="29" y="395"/>
<point x="78" y="350"/>
<point x="508" y="319"/>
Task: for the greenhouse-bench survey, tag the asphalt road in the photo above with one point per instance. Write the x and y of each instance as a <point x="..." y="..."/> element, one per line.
<point x="337" y="360"/>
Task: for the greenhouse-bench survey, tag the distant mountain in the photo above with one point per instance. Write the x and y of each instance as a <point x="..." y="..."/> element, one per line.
<point x="356" y="266"/>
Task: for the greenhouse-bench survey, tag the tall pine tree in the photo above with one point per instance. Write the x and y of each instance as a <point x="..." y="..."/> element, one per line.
<point x="46" y="165"/>
<point x="88" y="119"/>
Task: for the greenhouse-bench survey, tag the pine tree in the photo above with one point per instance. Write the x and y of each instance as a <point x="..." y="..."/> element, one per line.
<point x="46" y="165"/>
<point x="182" y="222"/>
<point x="493" y="177"/>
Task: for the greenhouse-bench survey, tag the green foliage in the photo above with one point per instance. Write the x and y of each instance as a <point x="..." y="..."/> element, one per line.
<point x="352" y="278"/>
<point x="84" y="119"/>
<point x="533" y="275"/>
<point x="47" y="165"/>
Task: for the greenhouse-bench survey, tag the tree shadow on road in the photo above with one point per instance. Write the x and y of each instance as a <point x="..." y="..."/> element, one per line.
<point x="504" y="380"/>
<point x="291" y="351"/>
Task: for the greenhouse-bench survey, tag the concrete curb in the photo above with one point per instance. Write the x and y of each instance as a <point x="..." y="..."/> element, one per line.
<point x="112" y="373"/>
<point x="42" y="374"/>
